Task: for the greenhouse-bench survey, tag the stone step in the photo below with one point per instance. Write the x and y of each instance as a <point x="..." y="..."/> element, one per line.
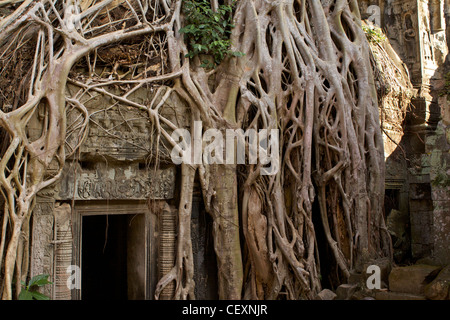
<point x="389" y="295"/>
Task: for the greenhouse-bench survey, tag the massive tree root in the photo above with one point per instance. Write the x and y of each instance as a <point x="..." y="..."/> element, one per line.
<point x="306" y="72"/>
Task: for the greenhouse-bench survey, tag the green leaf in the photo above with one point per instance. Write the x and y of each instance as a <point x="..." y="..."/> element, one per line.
<point x="39" y="280"/>
<point x="25" y="295"/>
<point x="39" y="296"/>
<point x="197" y="47"/>
<point x="188" y="29"/>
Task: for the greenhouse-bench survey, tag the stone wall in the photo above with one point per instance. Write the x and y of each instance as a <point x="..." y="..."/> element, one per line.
<point x="417" y="32"/>
<point x="438" y="154"/>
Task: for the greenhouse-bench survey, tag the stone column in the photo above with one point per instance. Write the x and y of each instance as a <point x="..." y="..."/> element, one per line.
<point x="63" y="251"/>
<point x="167" y="247"/>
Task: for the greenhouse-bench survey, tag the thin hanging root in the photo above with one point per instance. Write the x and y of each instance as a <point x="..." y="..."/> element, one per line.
<point x="164" y="281"/>
<point x="3" y="234"/>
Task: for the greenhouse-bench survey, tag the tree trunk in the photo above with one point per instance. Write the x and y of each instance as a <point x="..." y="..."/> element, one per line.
<point x="224" y="210"/>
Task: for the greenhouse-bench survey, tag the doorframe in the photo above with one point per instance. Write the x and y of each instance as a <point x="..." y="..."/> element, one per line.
<point x="105" y="207"/>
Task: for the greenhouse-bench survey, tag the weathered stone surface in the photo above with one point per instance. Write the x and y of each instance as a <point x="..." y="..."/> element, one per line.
<point x="440" y="178"/>
<point x="387" y="295"/>
<point x="42" y="249"/>
<point x="421" y="212"/>
<point x="411" y="279"/>
<point x="439" y="288"/>
<point x="355" y="278"/>
<point x="326" y="294"/>
<point x="121" y="133"/>
<point x="361" y="295"/>
<point x="62" y="250"/>
<point x="429" y="260"/>
<point x="129" y="182"/>
<point x="346" y="291"/>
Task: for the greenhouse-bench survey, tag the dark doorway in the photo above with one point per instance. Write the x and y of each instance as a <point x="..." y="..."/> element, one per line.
<point x="327" y="261"/>
<point x="113" y="257"/>
<point x="391" y="200"/>
<point x="205" y="263"/>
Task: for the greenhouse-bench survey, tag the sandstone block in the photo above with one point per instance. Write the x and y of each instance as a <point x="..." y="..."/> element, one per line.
<point x="412" y="279"/>
<point x="326" y="294"/>
<point x="345" y="291"/>
<point x="439" y="288"/>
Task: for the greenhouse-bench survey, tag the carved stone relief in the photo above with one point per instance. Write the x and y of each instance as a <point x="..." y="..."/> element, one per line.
<point x="119" y="132"/>
<point x="167" y="248"/>
<point x="120" y="182"/>
<point x="41" y="240"/>
<point x="410" y="36"/>
<point x="425" y="28"/>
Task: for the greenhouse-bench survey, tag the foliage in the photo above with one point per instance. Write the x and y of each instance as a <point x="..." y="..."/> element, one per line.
<point x="374" y="34"/>
<point x="29" y="291"/>
<point x="208" y="32"/>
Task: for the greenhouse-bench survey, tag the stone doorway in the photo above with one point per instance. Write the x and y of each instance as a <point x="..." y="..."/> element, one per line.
<point x="113" y="257"/>
<point x="114" y="249"/>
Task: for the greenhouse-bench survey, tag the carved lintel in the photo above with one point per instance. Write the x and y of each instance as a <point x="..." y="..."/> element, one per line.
<point x="119" y="183"/>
